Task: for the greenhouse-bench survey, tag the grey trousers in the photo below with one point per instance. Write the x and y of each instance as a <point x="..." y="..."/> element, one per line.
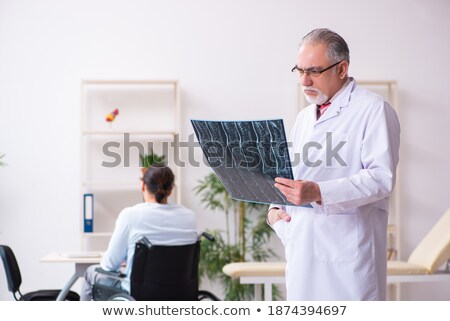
<point x="92" y="277"/>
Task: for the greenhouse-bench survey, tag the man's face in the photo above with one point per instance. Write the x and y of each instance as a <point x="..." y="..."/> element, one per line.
<point x="318" y="90"/>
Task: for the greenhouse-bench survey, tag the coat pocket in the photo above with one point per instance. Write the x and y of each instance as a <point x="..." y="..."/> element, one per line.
<point x="336" y="237"/>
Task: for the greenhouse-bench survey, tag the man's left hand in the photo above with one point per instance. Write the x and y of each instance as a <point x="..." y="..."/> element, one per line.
<point x="299" y="192"/>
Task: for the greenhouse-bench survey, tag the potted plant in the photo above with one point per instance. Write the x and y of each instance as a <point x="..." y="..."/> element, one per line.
<point x="1" y="162"/>
<point x="147" y="160"/>
<point x="248" y="242"/>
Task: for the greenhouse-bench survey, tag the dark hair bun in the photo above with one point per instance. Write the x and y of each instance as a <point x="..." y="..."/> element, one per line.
<point x="159" y="181"/>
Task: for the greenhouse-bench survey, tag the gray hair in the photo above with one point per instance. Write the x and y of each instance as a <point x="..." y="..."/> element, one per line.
<point x="337" y="47"/>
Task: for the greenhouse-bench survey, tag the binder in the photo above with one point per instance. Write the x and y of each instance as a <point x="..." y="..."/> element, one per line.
<point x="88" y="213"/>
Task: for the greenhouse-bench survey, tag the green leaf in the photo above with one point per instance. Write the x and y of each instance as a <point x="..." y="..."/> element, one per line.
<point x="151" y="158"/>
<point x="1" y="162"/>
<point x="252" y="245"/>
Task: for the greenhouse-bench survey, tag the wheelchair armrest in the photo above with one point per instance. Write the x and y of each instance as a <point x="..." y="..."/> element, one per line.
<point x="114" y="274"/>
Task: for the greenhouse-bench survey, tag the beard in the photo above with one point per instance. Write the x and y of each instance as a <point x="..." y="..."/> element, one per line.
<point x="320" y="99"/>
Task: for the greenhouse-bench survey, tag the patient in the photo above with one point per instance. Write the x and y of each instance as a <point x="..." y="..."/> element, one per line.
<point x="160" y="222"/>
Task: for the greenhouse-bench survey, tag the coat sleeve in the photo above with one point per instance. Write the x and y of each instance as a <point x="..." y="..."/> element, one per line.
<point x="379" y="159"/>
<point x="117" y="248"/>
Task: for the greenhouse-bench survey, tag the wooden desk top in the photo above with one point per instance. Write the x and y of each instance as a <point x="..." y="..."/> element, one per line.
<point x="73" y="257"/>
<point x="239" y="269"/>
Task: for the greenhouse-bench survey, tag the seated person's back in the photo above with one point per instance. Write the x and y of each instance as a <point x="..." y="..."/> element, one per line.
<point x="161" y="223"/>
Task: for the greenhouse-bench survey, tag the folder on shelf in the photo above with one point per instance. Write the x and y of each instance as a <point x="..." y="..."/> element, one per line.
<point x="88" y="213"/>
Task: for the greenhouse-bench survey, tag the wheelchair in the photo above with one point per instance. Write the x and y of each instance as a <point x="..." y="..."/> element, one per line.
<point x="159" y="273"/>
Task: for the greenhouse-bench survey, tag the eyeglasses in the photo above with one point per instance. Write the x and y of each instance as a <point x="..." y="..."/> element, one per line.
<point x="313" y="72"/>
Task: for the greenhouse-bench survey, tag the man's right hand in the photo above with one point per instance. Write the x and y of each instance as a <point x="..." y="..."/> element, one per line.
<point x="276" y="214"/>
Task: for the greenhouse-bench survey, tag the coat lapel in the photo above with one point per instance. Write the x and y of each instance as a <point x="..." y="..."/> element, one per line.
<point x="340" y="102"/>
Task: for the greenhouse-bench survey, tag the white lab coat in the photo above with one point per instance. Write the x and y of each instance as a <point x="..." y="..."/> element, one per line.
<point x="337" y="250"/>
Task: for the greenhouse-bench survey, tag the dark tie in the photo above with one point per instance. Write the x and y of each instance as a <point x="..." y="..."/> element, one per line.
<point x="322" y="108"/>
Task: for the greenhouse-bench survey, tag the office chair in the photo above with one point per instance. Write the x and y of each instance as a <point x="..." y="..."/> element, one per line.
<point x="159" y="273"/>
<point x="14" y="280"/>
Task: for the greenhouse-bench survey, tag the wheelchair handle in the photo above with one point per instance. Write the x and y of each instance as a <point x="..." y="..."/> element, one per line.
<point x="207" y="236"/>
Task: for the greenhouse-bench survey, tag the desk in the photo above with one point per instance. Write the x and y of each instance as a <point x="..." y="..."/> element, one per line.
<point x="81" y="260"/>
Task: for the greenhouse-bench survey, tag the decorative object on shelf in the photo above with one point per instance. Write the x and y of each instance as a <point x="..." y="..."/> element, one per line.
<point x="88" y="210"/>
<point x="248" y="242"/>
<point x="1" y="162"/>
<point x="149" y="159"/>
<point x="112" y="115"/>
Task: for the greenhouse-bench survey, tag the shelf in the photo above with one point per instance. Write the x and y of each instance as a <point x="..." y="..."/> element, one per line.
<point x="131" y="132"/>
<point x="130" y="82"/>
<point x="143" y="106"/>
<point x="98" y="234"/>
<point x="147" y="120"/>
<point x="377" y="82"/>
<point x="114" y="185"/>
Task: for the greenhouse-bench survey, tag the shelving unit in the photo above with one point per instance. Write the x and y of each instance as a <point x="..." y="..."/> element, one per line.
<point x="148" y="118"/>
<point x="388" y="90"/>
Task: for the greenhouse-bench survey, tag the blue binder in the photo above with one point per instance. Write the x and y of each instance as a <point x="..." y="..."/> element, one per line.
<point x="88" y="213"/>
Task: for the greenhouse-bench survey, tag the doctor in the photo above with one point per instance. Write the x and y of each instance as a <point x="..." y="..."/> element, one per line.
<point x="345" y="153"/>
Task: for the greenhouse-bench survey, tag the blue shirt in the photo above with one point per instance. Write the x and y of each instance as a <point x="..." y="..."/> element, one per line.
<point x="162" y="224"/>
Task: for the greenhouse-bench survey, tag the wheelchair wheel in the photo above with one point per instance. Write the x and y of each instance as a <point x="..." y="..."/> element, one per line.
<point x="121" y="297"/>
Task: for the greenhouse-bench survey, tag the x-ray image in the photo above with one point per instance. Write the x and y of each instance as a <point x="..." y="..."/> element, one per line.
<point x="247" y="156"/>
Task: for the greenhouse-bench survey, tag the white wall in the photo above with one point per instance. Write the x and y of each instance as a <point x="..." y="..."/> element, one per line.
<point x="233" y="60"/>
